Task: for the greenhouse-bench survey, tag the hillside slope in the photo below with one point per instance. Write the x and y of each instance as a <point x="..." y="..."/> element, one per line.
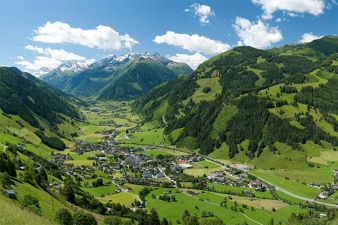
<point x="245" y="101"/>
<point x="117" y="77"/>
<point x="30" y="108"/>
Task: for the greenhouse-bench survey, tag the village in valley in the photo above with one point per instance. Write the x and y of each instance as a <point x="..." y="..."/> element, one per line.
<point x="125" y="164"/>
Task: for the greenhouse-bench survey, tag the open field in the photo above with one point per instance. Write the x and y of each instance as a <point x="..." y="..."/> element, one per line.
<point x="123" y="198"/>
<point x="198" y="172"/>
<point x="162" y="151"/>
<point x="211" y="202"/>
<point x="267" y="204"/>
<point x="289" y="184"/>
<point x="100" y="191"/>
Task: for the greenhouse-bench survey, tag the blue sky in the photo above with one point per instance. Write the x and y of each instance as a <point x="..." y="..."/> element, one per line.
<point x="37" y="35"/>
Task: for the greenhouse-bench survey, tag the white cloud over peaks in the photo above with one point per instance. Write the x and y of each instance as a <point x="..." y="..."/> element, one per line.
<point x="258" y="35"/>
<point x="203" y="12"/>
<point x="49" y="59"/>
<point x="102" y="37"/>
<point x="308" y="37"/>
<point x="193" y="43"/>
<point x="314" y="7"/>
<point x="192" y="60"/>
<point x="58" y="54"/>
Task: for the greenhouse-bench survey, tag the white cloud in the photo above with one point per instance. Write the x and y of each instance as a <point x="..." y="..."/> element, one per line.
<point x="193" y="43"/>
<point x="102" y="37"/>
<point x="308" y="37"/>
<point x="39" y="65"/>
<point x="258" y="35"/>
<point x="203" y="12"/>
<point x="58" y="54"/>
<point x="48" y="59"/>
<point x="193" y="60"/>
<point x="314" y="7"/>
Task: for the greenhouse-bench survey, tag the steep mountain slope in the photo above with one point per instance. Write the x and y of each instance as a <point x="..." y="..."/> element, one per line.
<point x="245" y="101"/>
<point x="30" y="104"/>
<point x="117" y="77"/>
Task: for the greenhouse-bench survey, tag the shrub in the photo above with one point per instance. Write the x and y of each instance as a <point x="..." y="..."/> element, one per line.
<point x="81" y="218"/>
<point x="64" y="217"/>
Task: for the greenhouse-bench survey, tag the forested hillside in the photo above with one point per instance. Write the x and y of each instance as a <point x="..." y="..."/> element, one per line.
<point x="246" y="100"/>
<point x="30" y="104"/>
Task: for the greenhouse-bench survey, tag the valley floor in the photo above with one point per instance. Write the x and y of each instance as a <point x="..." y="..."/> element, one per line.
<point x="131" y="156"/>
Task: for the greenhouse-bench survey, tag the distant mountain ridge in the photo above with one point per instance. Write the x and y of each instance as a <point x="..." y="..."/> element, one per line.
<point x="116" y="77"/>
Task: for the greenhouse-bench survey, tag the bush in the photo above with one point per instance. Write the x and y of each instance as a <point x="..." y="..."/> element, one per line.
<point x="31" y="203"/>
<point x="81" y="218"/>
<point x="64" y="217"/>
<point x="112" y="220"/>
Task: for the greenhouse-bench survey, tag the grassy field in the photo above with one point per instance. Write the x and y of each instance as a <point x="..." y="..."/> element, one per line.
<point x="237" y="190"/>
<point x="12" y="214"/>
<point x="211" y="202"/>
<point x="147" y="137"/>
<point x="198" y="172"/>
<point x="267" y="204"/>
<point x="162" y="151"/>
<point x="289" y="184"/>
<point x="100" y="191"/>
<point x="48" y="204"/>
<point x="123" y="198"/>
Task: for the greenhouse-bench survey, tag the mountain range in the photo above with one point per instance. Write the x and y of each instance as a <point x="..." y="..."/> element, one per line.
<point x="115" y="77"/>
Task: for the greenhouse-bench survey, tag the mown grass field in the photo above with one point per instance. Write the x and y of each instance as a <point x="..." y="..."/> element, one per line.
<point x="289" y="184"/>
<point x="124" y="198"/>
<point x="102" y="190"/>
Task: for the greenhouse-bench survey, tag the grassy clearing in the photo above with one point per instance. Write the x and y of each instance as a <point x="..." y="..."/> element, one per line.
<point x="212" y="83"/>
<point x="124" y="198"/>
<point x="221" y="121"/>
<point x="100" y="191"/>
<point x="149" y="137"/>
<point x="325" y="157"/>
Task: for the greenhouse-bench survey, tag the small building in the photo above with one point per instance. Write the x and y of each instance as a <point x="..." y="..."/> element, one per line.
<point x="323" y="194"/>
<point x="146" y="174"/>
<point x="10" y="193"/>
<point x="184" y="166"/>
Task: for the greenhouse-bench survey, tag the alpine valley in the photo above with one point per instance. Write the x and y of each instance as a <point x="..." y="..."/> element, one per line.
<point x="249" y="137"/>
